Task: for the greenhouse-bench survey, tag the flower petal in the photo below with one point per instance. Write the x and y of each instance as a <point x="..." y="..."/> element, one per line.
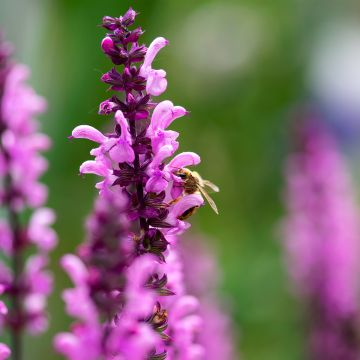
<point x="165" y="113"/>
<point x="93" y="167"/>
<point x="122" y="152"/>
<point x="88" y="132"/>
<point x="152" y="51"/>
<point x="75" y="268"/>
<point x="156" y="82"/>
<point x="121" y="120"/>
<point x="107" y="44"/>
<point x="156" y="182"/>
<point x="183" y="160"/>
<point x="162" y="154"/>
<point x="4" y="352"/>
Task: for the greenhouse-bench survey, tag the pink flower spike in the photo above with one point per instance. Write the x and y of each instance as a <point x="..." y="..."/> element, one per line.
<point x="88" y="132"/>
<point x="183" y="160"/>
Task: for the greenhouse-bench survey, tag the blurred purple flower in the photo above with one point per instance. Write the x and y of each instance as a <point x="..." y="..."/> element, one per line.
<point x="27" y="284"/>
<point x="202" y="279"/>
<point x="321" y="237"/>
<point x="129" y="299"/>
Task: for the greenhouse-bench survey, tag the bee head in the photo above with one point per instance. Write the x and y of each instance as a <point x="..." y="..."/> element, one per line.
<point x="182" y="173"/>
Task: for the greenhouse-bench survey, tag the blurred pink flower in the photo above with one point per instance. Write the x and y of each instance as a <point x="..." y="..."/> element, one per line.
<point x="321" y="238"/>
<point x="27" y="284"/>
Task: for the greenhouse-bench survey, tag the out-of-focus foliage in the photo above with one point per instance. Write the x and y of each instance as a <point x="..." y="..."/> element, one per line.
<point x="239" y="67"/>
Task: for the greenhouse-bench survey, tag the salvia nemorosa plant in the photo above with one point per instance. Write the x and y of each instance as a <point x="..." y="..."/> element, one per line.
<point x="322" y="238"/>
<point x="25" y="223"/>
<point x="129" y="298"/>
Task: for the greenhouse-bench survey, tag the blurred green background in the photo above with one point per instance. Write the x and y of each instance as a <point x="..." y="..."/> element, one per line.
<point x="239" y="67"/>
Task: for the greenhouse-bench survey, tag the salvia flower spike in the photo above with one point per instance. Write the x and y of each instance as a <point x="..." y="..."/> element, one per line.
<point x="24" y="281"/>
<point x="128" y="299"/>
<point x="321" y="237"/>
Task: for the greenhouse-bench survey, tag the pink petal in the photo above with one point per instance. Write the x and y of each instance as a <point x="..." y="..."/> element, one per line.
<point x="156" y="83"/>
<point x="3" y="308"/>
<point x="163" y="153"/>
<point x="107" y="44"/>
<point x="43" y="217"/>
<point x="183" y="160"/>
<point x="122" y="152"/>
<point x="165" y="113"/>
<point x="88" y="132"/>
<point x="164" y="137"/>
<point x="66" y="343"/>
<point x="40" y="142"/>
<point x="185" y="306"/>
<point x="75" y="268"/>
<point x="4" y="352"/>
<point x="121" y="120"/>
<point x="152" y="51"/>
<point x="156" y="182"/>
<point x="93" y="167"/>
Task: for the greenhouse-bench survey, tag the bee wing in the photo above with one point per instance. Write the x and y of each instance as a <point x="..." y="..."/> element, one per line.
<point x="209" y="200"/>
<point x="210" y="185"/>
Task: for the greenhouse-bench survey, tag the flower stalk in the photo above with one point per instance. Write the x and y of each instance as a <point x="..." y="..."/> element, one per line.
<point x="23" y="280"/>
<point x="321" y="238"/>
<point x="127" y="272"/>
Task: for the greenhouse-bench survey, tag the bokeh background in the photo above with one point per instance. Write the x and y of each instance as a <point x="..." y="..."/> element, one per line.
<point x="241" y="67"/>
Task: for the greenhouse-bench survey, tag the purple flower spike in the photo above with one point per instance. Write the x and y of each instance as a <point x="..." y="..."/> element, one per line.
<point x="321" y="238"/>
<point x="201" y="277"/>
<point x="129" y="300"/>
<point x="28" y="284"/>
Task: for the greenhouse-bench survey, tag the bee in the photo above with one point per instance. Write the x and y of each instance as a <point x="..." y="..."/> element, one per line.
<point x="189" y="212"/>
<point x="194" y="183"/>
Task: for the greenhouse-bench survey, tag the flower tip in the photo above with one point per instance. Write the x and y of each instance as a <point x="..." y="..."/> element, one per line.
<point x="70" y="137"/>
<point x="107" y="44"/>
<point x="105" y="77"/>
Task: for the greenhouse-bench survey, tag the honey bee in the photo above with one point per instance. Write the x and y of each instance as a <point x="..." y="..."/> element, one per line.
<point x="194" y="183"/>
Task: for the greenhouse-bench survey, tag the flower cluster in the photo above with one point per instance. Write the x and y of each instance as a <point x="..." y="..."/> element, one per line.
<point x="25" y="282"/>
<point x="128" y="274"/>
<point x="321" y="234"/>
<point x="201" y="278"/>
